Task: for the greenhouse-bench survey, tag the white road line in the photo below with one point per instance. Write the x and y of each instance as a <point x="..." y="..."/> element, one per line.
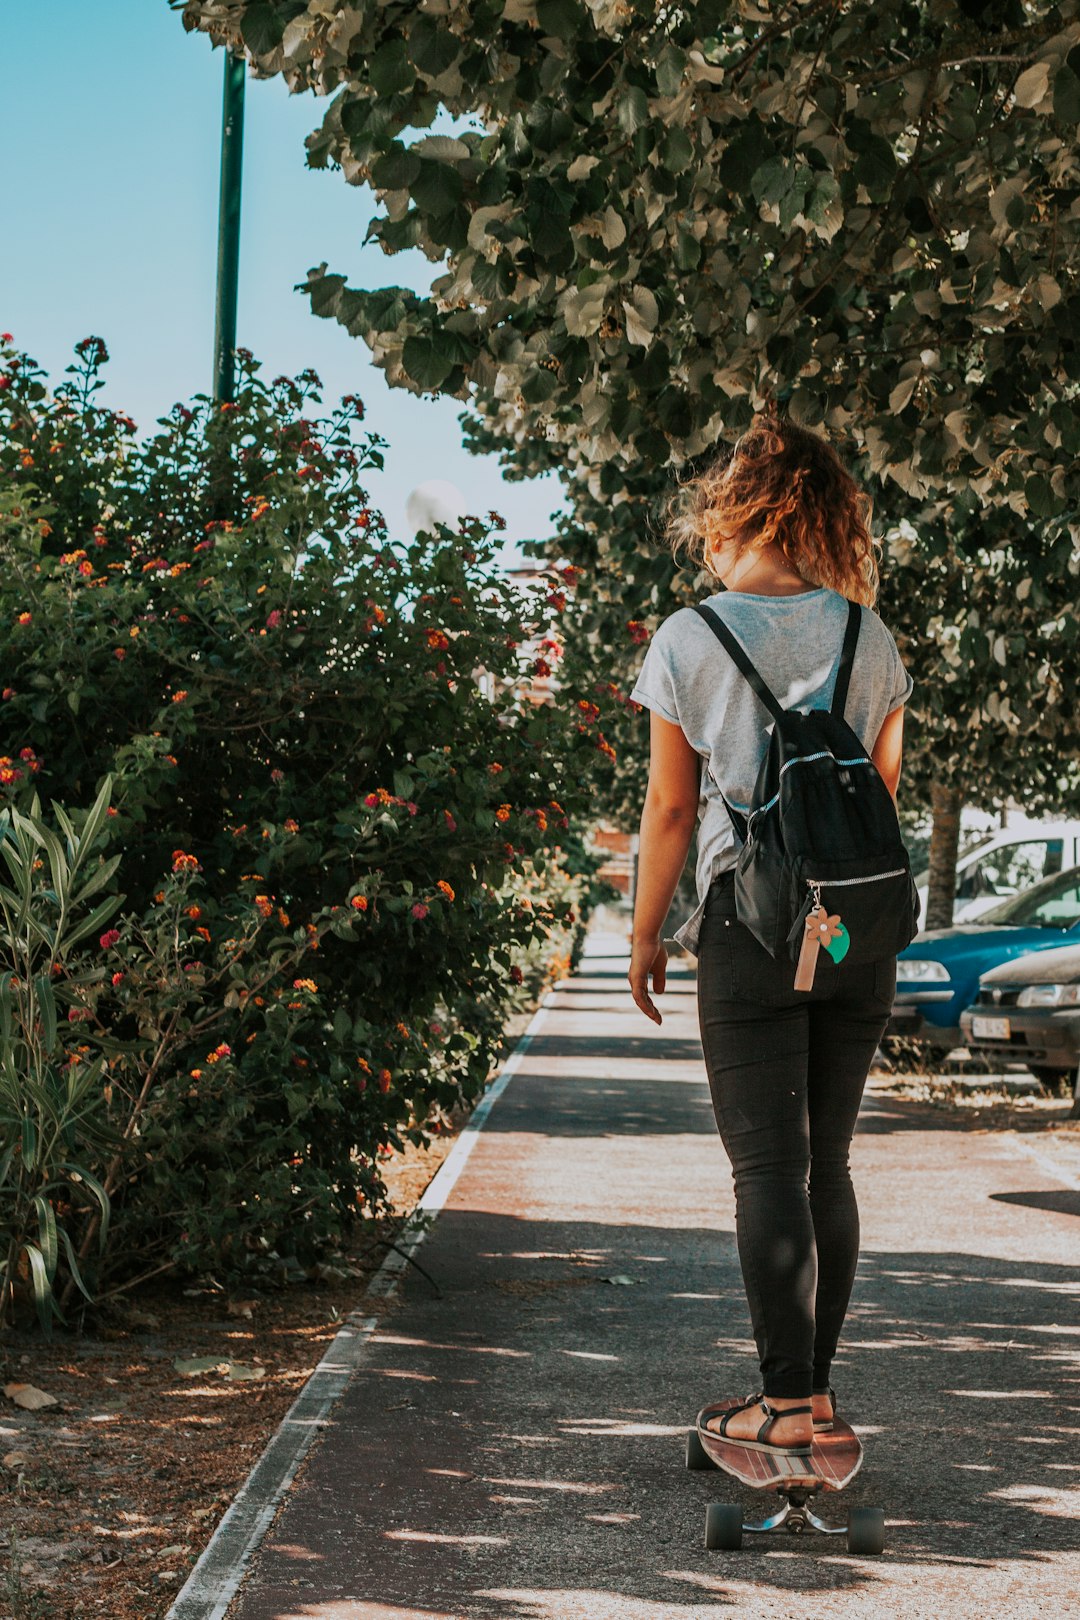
<point x="215" y="1579"/>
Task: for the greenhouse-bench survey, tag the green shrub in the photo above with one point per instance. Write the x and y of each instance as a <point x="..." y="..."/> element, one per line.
<point x="345" y="832"/>
<point x="53" y="1111"/>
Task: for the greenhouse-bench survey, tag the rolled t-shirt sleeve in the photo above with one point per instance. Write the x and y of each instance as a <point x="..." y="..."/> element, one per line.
<point x="654" y="687"/>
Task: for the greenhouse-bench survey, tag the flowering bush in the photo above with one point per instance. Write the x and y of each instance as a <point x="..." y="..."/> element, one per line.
<point x="345" y="832"/>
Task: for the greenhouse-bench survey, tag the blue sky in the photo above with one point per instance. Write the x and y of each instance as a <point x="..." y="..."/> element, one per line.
<point x="110" y="120"/>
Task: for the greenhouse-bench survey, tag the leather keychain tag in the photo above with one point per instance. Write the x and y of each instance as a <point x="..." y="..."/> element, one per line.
<point x="808" y="953"/>
<point x="821" y="932"/>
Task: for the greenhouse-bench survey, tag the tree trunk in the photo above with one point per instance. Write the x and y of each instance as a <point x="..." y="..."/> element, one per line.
<point x="946" y="804"/>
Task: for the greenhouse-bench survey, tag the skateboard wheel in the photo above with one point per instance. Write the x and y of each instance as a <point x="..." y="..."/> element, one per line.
<point x="866" y="1530"/>
<point x="696" y="1455"/>
<point x="723" y="1526"/>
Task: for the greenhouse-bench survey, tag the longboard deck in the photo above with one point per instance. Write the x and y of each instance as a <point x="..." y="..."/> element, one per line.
<point x="835" y="1458"/>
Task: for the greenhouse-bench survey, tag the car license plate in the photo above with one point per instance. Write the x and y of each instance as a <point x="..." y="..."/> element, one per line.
<point x="990" y="1029"/>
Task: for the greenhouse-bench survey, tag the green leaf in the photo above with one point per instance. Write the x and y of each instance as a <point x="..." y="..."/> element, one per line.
<point x="1067" y="95"/>
<point x="825" y="193"/>
<point x="772" y="180"/>
<point x="1040" y="497"/>
<point x="546" y="219"/>
<point x="670" y="69"/>
<point x="389" y="71"/>
<point x="430" y="359"/>
<point x="437" y="188"/>
<point x="47" y="1232"/>
<point x="431" y="48"/>
<point x="549" y="125"/>
<point x="29" y="1143"/>
<point x="875" y="167"/>
<point x="633" y="109"/>
<point x="745" y="154"/>
<point x="98" y="1193"/>
<point x="561" y="18"/>
<point x="47" y="1308"/>
<point x="395" y="169"/>
<point x="73" y="1266"/>
<point x="47" y="1003"/>
<point x="261" y="27"/>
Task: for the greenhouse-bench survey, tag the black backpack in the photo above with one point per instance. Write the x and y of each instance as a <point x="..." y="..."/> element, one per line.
<point x="822" y="831"/>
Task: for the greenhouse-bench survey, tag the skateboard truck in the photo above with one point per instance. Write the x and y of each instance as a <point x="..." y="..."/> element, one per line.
<point x="796" y="1515"/>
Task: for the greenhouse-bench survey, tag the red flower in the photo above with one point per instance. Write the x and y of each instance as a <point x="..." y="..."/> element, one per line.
<point x="273" y="619"/>
<point x="419" y="909"/>
<point x="109" y="938"/>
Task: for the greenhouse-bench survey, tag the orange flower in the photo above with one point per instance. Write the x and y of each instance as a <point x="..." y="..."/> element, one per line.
<point x="185" y="863"/>
<point x="503" y="813"/>
<point x="263" y="905"/>
<point x="178" y="697"/>
<point x="445" y="887"/>
<point x="204" y="933"/>
<point x="359" y="902"/>
<point x="305" y="984"/>
<point x="193" y="911"/>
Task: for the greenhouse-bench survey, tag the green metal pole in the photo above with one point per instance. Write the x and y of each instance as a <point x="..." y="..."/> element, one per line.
<point x="228" y="263"/>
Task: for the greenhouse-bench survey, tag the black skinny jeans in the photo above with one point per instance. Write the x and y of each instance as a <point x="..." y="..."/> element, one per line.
<point x="786" y="1072"/>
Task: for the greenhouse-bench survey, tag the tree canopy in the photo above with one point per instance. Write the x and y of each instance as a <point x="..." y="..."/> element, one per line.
<point x="865" y="210"/>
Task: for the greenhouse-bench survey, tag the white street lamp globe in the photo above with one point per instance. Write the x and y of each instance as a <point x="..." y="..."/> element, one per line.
<point x="434" y="501"/>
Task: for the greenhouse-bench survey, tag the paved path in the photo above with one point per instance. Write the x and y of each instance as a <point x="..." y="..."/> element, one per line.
<point x="512" y="1449"/>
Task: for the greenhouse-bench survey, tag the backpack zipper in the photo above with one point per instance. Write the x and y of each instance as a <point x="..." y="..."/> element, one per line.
<point x="816" y="885"/>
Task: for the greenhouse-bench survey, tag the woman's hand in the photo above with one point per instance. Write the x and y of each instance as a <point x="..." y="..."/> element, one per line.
<point x="647" y="956"/>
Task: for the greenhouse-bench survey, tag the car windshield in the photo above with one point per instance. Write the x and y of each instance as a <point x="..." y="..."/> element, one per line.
<point x="1053" y="903"/>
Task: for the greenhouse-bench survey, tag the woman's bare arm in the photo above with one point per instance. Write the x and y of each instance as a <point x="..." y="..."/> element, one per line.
<point x="888" y="752"/>
<point x="667" y="826"/>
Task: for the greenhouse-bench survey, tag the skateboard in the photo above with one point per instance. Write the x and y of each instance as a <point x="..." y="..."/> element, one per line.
<point x="835" y="1459"/>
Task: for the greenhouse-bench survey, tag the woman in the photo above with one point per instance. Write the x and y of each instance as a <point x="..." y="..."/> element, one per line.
<point x="783" y="527"/>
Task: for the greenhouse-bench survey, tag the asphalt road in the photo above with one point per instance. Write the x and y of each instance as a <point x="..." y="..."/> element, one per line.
<point x="512" y="1447"/>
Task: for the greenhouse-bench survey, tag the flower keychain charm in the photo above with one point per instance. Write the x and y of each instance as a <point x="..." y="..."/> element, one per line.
<point x="820" y="932"/>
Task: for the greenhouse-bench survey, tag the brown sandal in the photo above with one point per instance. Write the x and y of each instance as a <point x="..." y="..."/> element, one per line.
<point x="761" y="1441"/>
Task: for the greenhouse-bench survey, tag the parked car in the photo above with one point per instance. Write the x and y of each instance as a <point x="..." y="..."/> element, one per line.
<point x="938" y="975"/>
<point x="1008" y="862"/>
<point x="1028" y="1011"/>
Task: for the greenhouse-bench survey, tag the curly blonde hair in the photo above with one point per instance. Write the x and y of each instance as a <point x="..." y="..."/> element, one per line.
<point x="781" y="484"/>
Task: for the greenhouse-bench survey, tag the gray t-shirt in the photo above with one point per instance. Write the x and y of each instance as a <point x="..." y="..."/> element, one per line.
<point x="795" y="643"/>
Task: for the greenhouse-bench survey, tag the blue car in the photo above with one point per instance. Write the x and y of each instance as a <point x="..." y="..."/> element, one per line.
<point x="938" y="975"/>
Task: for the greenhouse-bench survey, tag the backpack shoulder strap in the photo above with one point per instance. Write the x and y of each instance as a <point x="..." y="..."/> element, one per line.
<point x="847" y="655"/>
<point x="739" y="657"/>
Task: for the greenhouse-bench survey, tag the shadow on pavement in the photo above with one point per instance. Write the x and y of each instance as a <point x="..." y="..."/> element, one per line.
<point x="514" y="1451"/>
